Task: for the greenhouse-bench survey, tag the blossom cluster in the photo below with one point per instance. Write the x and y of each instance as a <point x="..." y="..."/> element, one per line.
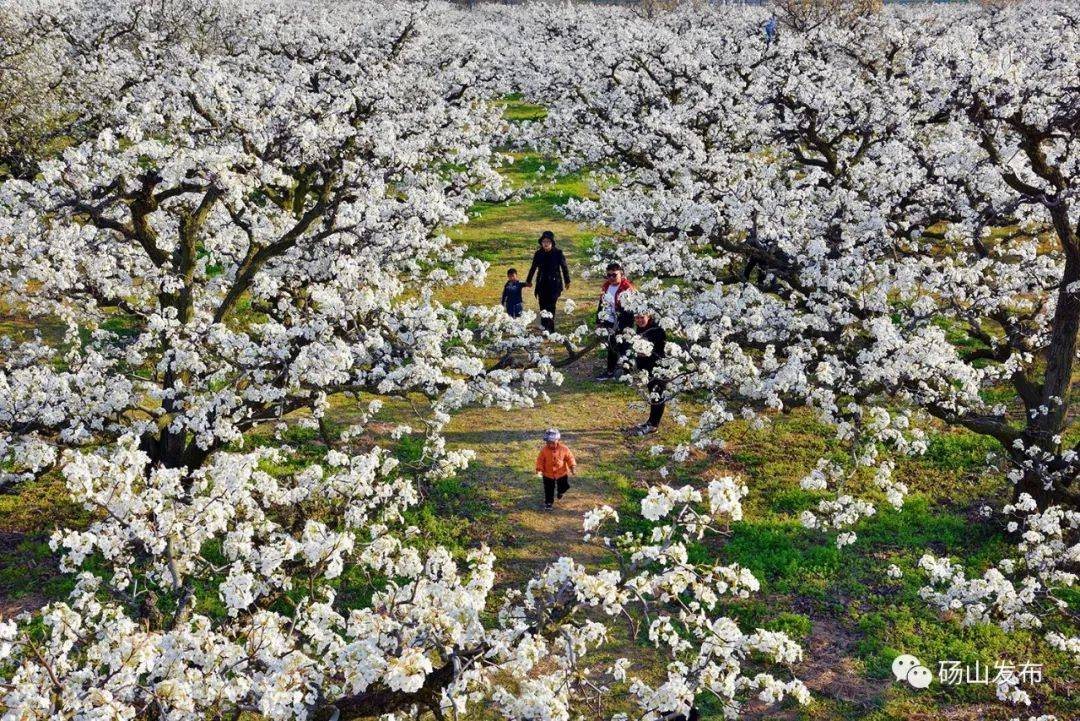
<point x="249" y="217"/>
<point x="245" y="226"/>
<point x="1021" y="591"/>
<point x="877" y="220"/>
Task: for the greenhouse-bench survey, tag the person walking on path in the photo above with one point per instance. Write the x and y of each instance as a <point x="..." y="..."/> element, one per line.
<point x="614" y="318"/>
<point x="552" y="276"/>
<point x="771" y="31"/>
<point x="511" y="295"/>
<point x="555" y="465"/>
<point x="649" y="349"/>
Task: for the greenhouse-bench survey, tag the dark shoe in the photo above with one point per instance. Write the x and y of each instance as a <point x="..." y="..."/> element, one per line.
<point x="547" y="506"/>
<point x="605" y="376"/>
<point x="644" y="429"/>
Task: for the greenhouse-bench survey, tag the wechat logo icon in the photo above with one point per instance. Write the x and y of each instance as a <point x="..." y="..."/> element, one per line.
<point x="908" y="668"/>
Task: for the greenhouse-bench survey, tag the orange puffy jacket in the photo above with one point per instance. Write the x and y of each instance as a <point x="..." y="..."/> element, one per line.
<point x="555" y="462"/>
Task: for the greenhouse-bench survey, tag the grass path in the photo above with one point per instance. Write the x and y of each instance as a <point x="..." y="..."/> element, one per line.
<point x="590" y="415"/>
<point x="506" y="445"/>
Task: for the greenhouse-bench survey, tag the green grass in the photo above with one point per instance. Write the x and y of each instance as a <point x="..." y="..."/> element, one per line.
<point x="516" y="110"/>
<point x="959" y="451"/>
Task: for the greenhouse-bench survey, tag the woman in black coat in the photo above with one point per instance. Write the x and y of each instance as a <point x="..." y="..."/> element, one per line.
<point x="552" y="275"/>
<point x="649" y="330"/>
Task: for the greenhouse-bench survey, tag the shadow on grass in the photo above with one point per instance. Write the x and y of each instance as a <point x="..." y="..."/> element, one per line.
<point x="29" y="573"/>
<point x="569" y="436"/>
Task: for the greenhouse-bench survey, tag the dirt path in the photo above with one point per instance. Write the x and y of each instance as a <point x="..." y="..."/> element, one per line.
<point x="506" y="444"/>
<point x="590" y="415"/>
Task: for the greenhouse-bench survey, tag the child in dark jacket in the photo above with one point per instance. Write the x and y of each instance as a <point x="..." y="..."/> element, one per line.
<point x="511" y="295"/>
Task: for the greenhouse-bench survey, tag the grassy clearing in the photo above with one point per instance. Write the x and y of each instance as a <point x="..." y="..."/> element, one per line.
<point x="852" y="618"/>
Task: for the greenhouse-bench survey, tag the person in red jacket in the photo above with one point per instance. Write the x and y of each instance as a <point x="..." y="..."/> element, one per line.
<point x="611" y="316"/>
<point x="555" y="464"/>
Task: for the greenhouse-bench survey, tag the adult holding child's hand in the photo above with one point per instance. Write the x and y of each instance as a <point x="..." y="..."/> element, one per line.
<point x="549" y="267"/>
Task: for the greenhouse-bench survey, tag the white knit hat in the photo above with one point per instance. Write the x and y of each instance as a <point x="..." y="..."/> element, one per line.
<point x="552" y="434"/>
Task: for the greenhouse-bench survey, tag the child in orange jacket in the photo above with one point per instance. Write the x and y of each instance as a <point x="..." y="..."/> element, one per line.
<point x="556" y="464"/>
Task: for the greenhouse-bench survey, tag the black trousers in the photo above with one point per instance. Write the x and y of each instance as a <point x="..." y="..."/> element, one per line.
<point x="617" y="347"/>
<point x="547" y="302"/>
<point x="656" y="401"/>
<point x="563" y="484"/>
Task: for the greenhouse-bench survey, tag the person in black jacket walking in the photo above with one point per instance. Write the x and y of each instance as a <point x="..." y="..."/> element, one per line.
<point x="649" y="331"/>
<point x="552" y="275"/>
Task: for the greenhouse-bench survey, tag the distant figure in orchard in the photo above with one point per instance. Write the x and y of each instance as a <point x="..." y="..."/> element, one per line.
<point x="555" y="465"/>
<point x="649" y="347"/>
<point x="511" y="295"/>
<point x="611" y="316"/>
<point x="552" y="276"/>
<point x="770" y="30"/>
